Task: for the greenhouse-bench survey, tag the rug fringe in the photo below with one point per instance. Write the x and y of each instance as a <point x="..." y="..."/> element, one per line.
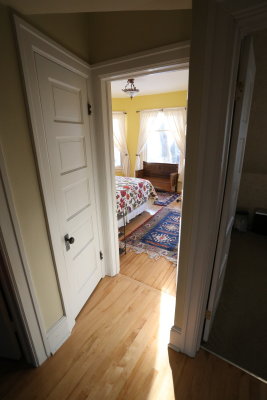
<point x="151" y="254"/>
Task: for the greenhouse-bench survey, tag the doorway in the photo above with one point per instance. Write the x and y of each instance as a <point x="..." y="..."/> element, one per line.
<point x="149" y="152"/>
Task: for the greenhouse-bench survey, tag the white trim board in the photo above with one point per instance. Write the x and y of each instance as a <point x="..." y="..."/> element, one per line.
<point x="153" y="57"/>
<point x="58" y="334"/>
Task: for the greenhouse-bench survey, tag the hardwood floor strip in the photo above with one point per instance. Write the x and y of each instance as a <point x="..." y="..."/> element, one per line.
<point x="160" y="274"/>
<point x="119" y="328"/>
<point x="118" y="350"/>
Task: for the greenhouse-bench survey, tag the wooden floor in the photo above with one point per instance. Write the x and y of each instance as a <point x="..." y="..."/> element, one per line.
<point x="159" y="274"/>
<point x="119" y="350"/>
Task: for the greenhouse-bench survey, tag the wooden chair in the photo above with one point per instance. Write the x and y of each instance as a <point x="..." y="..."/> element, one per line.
<point x="163" y="176"/>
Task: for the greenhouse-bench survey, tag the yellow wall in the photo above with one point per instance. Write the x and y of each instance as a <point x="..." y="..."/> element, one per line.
<point x="164" y="100"/>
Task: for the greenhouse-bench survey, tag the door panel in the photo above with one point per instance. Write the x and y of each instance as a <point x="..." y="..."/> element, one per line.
<point x="236" y="154"/>
<point x="63" y="95"/>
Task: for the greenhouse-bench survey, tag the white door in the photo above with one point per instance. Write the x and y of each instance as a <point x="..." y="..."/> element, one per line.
<point x="244" y="93"/>
<point x="63" y="97"/>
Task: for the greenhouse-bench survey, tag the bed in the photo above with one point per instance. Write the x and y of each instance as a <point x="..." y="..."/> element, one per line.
<point x="132" y="195"/>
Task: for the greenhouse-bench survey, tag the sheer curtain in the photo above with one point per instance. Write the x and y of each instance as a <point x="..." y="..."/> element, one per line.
<point x="147" y="125"/>
<point x="119" y="137"/>
<point x="176" y="120"/>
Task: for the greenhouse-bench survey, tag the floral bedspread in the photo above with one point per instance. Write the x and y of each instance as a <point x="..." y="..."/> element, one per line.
<point x="132" y="192"/>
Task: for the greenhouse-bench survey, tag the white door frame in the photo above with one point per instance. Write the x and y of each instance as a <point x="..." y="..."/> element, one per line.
<point x="157" y="60"/>
<point x="246" y="76"/>
<point x="37" y="348"/>
<point x="218" y="30"/>
<point x="31" y="41"/>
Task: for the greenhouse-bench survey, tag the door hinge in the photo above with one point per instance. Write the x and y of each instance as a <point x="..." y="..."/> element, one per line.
<point x="89" y="108"/>
<point x="101" y="255"/>
<point x="208" y="314"/>
<point x="239" y="90"/>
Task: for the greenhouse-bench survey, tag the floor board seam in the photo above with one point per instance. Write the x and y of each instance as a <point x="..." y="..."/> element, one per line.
<point x="145" y="285"/>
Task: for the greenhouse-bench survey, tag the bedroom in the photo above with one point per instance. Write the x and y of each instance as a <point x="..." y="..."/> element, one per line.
<point x="149" y="145"/>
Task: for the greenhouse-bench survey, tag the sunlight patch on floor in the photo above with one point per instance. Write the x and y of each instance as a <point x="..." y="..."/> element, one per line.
<point x="164" y="375"/>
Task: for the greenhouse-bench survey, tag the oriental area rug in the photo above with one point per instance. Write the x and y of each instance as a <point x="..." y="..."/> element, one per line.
<point x="165" y="198"/>
<point x="158" y="236"/>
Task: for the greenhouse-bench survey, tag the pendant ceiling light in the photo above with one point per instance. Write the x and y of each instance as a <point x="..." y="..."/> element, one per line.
<point x="130" y="88"/>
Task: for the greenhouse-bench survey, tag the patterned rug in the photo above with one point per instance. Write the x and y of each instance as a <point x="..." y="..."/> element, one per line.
<point x="165" y="198"/>
<point x="158" y="236"/>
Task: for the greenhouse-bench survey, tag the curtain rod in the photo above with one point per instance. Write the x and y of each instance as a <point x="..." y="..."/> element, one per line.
<point x="119" y="112"/>
<point x="162" y="109"/>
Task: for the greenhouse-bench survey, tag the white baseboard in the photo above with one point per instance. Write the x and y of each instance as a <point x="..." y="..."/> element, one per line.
<point x="176" y="339"/>
<point x="171" y="346"/>
<point x="58" y="334"/>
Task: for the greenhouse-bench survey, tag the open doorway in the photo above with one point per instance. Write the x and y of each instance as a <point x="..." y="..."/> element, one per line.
<point x="149" y="156"/>
<point x="239" y="332"/>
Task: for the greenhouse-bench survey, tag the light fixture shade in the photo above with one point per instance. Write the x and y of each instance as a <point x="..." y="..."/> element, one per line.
<point x="130" y="88"/>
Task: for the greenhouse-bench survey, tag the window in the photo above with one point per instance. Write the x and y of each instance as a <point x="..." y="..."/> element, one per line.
<point x="117" y="157"/>
<point x="121" y="158"/>
<point x="161" y="146"/>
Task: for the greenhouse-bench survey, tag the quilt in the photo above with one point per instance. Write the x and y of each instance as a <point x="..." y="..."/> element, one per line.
<point x="132" y="193"/>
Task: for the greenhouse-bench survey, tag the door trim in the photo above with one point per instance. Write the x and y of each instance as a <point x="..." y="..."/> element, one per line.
<point x="30" y="42"/>
<point x="161" y="59"/>
<point x="36" y="346"/>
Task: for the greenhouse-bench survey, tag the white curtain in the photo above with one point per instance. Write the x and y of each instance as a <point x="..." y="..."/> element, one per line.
<point x="119" y="136"/>
<point x="147" y="126"/>
<point x="176" y="120"/>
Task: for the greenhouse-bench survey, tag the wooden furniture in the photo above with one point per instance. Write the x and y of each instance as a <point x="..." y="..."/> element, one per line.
<point x="163" y="176"/>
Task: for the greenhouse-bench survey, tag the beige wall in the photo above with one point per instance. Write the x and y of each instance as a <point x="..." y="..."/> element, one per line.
<point x="129" y="32"/>
<point x="125" y="32"/>
<point x="253" y="186"/>
<point x="69" y="30"/>
<point x="95" y="38"/>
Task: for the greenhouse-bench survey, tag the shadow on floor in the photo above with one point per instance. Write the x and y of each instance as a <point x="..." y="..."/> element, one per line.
<point x="207" y="377"/>
<point x="239" y="331"/>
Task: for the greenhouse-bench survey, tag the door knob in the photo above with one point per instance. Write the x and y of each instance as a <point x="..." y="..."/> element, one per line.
<point x="71" y="240"/>
<point x="68" y="241"/>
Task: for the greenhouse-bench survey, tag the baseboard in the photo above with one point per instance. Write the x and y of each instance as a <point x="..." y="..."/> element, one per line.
<point x="58" y="334"/>
<point x="176" y="339"/>
<point x="171" y="346"/>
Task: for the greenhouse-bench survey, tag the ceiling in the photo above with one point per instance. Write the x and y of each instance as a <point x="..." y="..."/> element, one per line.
<point x="73" y="6"/>
<point x="163" y="82"/>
